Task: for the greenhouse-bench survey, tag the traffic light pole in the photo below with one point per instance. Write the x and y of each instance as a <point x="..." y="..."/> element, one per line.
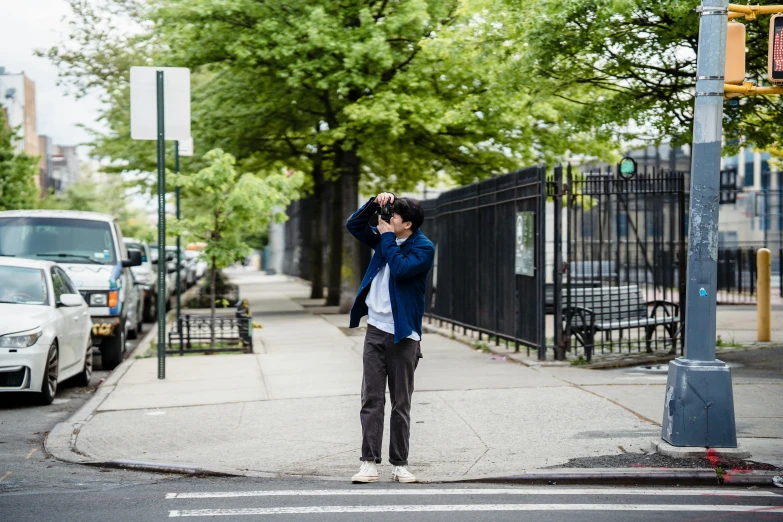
<point x="699" y="405"/>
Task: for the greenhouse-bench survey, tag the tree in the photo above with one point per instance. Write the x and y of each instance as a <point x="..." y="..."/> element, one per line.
<point x="621" y="61"/>
<point x="17" y="173"/>
<point x="357" y="95"/>
<point x="221" y="207"/>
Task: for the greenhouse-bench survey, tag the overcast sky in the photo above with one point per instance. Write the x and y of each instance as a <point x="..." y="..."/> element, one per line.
<point x="31" y="24"/>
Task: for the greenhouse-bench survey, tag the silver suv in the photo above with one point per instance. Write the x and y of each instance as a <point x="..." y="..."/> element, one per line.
<point x="90" y="248"/>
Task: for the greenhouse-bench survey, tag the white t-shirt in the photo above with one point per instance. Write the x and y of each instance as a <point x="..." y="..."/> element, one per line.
<point x="379" y="310"/>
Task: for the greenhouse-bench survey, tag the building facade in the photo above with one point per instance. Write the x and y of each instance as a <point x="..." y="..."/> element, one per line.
<point x="17" y="97"/>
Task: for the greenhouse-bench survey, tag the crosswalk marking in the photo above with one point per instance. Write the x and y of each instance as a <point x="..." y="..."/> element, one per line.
<point x="471" y="507"/>
<point x="725" y="492"/>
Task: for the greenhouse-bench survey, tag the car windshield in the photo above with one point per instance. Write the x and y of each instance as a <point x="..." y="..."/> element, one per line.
<point x="58" y="239"/>
<point x="21" y="285"/>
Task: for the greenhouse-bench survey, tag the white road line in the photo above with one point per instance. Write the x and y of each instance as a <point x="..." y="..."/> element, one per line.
<point x="472" y="507"/>
<point x="502" y="491"/>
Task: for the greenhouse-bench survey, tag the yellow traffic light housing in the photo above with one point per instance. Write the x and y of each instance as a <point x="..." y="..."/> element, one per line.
<point x="735" y="53"/>
<point x="775" y="61"/>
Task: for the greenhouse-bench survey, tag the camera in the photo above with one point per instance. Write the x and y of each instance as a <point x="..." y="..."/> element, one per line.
<point x="385" y="213"/>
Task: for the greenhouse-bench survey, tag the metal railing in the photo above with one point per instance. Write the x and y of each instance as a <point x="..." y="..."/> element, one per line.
<point x="737" y="274"/>
<point x="193" y="334"/>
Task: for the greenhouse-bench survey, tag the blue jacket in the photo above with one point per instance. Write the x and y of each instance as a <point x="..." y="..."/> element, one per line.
<point x="408" y="264"/>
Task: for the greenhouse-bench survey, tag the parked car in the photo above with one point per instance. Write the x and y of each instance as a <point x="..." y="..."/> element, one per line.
<point x="45" y="329"/>
<point x="201" y="265"/>
<point x="89" y="247"/>
<point x="136" y="315"/>
<point x="146" y="275"/>
<point x="184" y="269"/>
<point x="171" y="272"/>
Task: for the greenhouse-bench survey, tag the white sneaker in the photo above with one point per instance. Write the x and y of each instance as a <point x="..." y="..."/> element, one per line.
<point x="367" y="473"/>
<point x="400" y="474"/>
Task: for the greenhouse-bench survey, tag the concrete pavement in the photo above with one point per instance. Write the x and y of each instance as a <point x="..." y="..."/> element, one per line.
<point x="292" y="408"/>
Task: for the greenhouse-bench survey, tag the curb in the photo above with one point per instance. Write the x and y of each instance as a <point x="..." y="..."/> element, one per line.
<point x="60" y="443"/>
<point x="157" y="467"/>
<point x="636" y="476"/>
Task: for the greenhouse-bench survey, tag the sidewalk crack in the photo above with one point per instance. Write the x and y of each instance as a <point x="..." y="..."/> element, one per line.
<point x="263" y="379"/>
<point x="463" y="420"/>
<point x="476" y="462"/>
<point x="241" y="414"/>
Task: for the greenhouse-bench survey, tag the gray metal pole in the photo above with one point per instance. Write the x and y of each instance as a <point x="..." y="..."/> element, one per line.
<point x="699" y="404"/>
<point x="161" y="229"/>
<point x="179" y="255"/>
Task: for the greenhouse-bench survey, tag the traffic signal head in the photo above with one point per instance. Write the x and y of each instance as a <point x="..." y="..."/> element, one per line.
<point x="775" y="64"/>
<point x="735" y="53"/>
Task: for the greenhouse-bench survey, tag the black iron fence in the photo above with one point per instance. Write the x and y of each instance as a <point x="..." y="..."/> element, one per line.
<point x="625" y="261"/>
<point x="297" y="259"/>
<point x="738" y="274"/>
<point x="489" y="270"/>
<point x="193" y="334"/>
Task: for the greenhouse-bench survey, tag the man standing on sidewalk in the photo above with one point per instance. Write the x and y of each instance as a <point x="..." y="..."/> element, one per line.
<point x="392" y="295"/>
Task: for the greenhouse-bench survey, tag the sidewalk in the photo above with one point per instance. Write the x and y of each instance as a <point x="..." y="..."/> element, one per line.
<point x="292" y="408"/>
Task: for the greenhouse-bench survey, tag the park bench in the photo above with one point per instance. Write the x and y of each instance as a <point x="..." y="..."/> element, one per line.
<point x="583" y="274"/>
<point x="608" y="308"/>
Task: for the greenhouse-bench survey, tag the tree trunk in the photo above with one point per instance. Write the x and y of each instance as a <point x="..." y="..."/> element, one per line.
<point x="212" y="283"/>
<point x="351" y="257"/>
<point x="317" y="230"/>
<point x="335" y="244"/>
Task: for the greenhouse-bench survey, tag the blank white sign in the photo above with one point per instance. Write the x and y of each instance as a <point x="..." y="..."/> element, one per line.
<point x="185" y="147"/>
<point x="144" y="103"/>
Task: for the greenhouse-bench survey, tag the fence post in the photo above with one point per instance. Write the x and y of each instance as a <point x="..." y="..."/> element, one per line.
<point x="764" y="306"/>
<point x="179" y="332"/>
<point x="557" y="276"/>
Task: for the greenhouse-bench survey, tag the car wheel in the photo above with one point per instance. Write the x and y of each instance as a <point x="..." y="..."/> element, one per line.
<point x="151" y="310"/>
<point x="51" y="372"/>
<point x="112" y="348"/>
<point x="133" y="333"/>
<point x="140" y="325"/>
<point x="83" y="378"/>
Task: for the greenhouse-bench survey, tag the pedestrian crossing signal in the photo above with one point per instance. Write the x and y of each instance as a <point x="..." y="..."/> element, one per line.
<point x="775" y="65"/>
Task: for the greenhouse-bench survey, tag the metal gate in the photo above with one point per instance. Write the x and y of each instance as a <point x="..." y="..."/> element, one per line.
<point x="489" y="269"/>
<point x="624" y="274"/>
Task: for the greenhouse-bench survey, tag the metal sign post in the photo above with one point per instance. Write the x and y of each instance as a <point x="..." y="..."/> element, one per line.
<point x="161" y="225"/>
<point x="699" y="404"/>
<point x="167" y="89"/>
<point x="179" y="254"/>
<point x="181" y="148"/>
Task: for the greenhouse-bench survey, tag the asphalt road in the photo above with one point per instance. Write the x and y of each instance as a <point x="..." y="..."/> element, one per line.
<point x="308" y="500"/>
<point x="36" y="487"/>
<point x="24" y="464"/>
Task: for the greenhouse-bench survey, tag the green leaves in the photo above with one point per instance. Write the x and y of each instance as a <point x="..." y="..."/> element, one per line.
<point x="628" y="67"/>
<point x="221" y="207"/>
<point x="17" y="173"/>
<point x="418" y="89"/>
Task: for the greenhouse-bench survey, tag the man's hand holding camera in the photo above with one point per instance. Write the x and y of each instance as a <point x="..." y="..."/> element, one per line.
<point x="382" y="199"/>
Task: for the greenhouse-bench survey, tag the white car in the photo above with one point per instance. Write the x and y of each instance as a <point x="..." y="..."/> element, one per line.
<point x="89" y="247"/>
<point x="45" y="329"/>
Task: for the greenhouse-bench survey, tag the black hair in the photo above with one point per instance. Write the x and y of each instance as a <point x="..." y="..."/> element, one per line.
<point x="410" y="210"/>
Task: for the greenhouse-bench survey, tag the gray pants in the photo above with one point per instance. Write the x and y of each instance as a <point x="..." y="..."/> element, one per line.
<point x="382" y="359"/>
